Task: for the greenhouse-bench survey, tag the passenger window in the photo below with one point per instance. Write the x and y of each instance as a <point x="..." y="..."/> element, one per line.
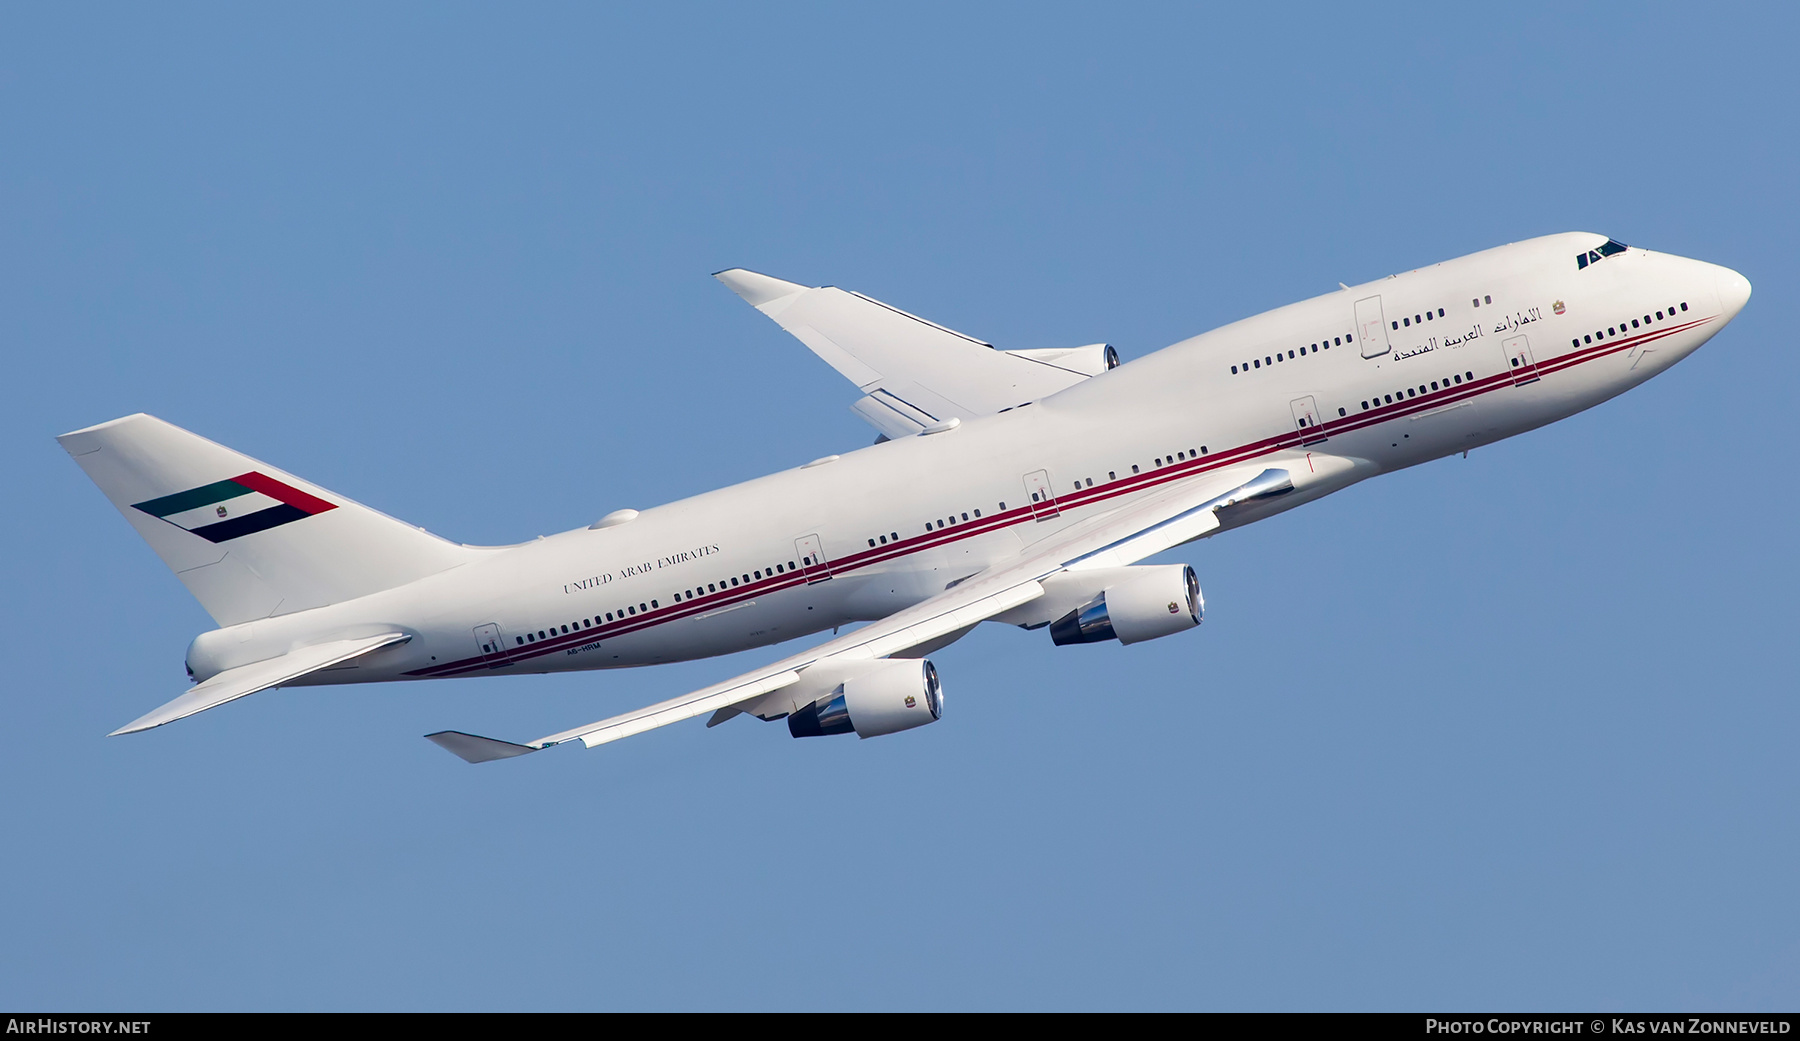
<point x="1684" y="307"/>
<point x="1234" y="370"/>
<point x="1487" y="299"/>
<point x="1440" y="312"/>
<point x="1659" y="316"/>
<point x="1634" y="323"/>
<point x="1341" y="412"/>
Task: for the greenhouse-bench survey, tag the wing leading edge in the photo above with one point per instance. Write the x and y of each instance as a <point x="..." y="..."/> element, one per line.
<point x="1124" y="535"/>
<point x="913" y="373"/>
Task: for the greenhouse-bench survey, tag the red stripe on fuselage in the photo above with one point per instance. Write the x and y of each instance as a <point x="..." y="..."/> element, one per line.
<point x="1084" y="497"/>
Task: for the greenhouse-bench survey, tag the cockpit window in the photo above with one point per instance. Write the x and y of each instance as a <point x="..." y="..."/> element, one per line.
<point x="1594" y="256"/>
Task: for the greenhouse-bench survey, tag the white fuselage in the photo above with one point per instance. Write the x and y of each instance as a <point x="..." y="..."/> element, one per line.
<point x="1525" y="337"/>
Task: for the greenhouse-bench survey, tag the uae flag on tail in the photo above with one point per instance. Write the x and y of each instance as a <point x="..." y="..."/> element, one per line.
<point x="243" y="505"/>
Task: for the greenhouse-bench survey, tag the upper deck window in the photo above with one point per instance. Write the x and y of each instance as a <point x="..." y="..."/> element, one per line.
<point x="1594" y="256"/>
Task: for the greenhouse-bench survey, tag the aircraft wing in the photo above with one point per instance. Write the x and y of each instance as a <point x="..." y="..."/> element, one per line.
<point x="248" y="679"/>
<point x="1185" y="511"/>
<point x="913" y="373"/>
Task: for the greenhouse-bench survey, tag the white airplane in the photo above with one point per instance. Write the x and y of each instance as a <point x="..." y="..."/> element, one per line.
<point x="1012" y="486"/>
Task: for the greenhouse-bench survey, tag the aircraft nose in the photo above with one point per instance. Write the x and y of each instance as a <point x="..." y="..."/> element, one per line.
<point x="1734" y="291"/>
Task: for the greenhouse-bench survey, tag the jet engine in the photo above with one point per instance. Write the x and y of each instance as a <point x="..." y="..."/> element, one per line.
<point x="872" y="698"/>
<point x="1155" y="602"/>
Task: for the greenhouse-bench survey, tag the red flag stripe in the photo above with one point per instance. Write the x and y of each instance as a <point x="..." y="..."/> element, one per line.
<point x="284" y="492"/>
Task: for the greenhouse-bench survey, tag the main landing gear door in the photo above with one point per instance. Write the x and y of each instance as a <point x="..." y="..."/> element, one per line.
<point x="812" y="558"/>
<point x="1371" y="328"/>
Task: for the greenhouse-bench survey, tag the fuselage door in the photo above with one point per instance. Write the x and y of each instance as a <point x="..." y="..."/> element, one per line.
<point x="812" y="558"/>
<point x="1037" y="491"/>
<point x="487" y="637"/>
<point x="1307" y="421"/>
<point x="1519" y="361"/>
<point x="1371" y="328"/>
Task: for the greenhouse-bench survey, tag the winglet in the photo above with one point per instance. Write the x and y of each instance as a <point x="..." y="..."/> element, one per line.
<point x="758" y="289"/>
<point x="475" y="749"/>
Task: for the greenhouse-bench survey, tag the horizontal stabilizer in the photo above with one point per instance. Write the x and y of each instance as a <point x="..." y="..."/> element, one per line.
<point x="473" y="748"/>
<point x="248" y="679"/>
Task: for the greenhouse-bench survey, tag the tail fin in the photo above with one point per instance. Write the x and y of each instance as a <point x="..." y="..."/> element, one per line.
<point x="248" y="540"/>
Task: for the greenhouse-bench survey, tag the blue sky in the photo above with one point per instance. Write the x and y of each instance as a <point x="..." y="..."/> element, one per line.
<point x="1514" y="731"/>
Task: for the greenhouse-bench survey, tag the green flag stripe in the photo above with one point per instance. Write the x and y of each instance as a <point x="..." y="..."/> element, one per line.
<point x="193" y="499"/>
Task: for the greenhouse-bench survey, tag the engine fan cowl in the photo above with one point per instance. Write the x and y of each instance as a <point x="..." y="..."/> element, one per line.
<point x="1159" y="602"/>
<point x="881" y="697"/>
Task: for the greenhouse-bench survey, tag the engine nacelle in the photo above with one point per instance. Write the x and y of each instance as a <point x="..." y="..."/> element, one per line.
<point x="871" y="698"/>
<point x="1159" y="601"/>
